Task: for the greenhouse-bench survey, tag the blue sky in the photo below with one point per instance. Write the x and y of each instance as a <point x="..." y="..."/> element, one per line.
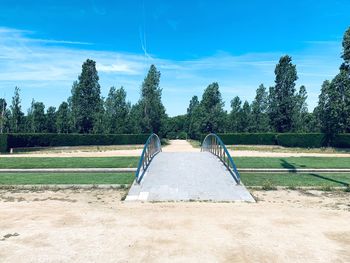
<point x="193" y="43"/>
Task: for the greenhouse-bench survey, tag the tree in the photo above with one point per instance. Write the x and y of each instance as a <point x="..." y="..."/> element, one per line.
<point x="346" y="47"/>
<point x="245" y="125"/>
<point x="3" y="115"/>
<point x="194" y="103"/>
<point x="234" y="118"/>
<point x="29" y="119"/>
<point x="16" y="115"/>
<point x="86" y="100"/>
<point x="301" y="116"/>
<point x="282" y="96"/>
<point x="210" y="113"/>
<point x="117" y="110"/>
<point x="36" y="117"/>
<point x="260" y="120"/>
<point x="333" y="108"/>
<point x="153" y="112"/>
<point x="51" y="120"/>
<point x="175" y="125"/>
<point x="63" y="118"/>
<point x="134" y="119"/>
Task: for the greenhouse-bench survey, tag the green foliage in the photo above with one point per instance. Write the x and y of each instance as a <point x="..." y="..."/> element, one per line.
<point x="3" y="115"/>
<point x="36" y="117"/>
<point x="248" y="138"/>
<point x="152" y="111"/>
<point x="300" y="115"/>
<point x="282" y="96"/>
<point x="341" y="141"/>
<point x="306" y="140"/>
<point x="117" y="110"/>
<point x="333" y="110"/>
<point x="334" y="105"/>
<point x="346" y="46"/>
<point x="63" y="118"/>
<point x="16" y="116"/>
<point x="50" y="123"/>
<point x="259" y="117"/>
<point x="190" y="117"/>
<point x="234" y="118"/>
<point x="209" y="116"/>
<point x="175" y="126"/>
<point x="3" y="143"/>
<point x="51" y="139"/>
<point x="246" y="118"/>
<point x="86" y="100"/>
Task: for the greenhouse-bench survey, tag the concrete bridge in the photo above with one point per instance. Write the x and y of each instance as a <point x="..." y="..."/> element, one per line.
<point x="180" y="174"/>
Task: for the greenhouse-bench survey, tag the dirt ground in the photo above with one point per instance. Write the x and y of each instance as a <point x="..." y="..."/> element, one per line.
<point x="174" y="146"/>
<point x="95" y="226"/>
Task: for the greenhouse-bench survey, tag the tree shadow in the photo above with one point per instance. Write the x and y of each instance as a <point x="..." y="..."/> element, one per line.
<point x="288" y="165"/>
<point x="330" y="179"/>
<point x="291" y="166"/>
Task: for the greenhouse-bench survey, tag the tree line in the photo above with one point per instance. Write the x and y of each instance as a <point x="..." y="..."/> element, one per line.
<point x="280" y="108"/>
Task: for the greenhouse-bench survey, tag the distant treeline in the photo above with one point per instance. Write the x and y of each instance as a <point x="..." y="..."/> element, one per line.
<point x="281" y="108"/>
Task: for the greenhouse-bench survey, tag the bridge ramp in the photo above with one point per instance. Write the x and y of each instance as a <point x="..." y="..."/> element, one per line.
<point x="180" y="176"/>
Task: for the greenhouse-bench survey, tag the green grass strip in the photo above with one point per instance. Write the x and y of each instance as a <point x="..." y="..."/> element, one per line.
<point x="249" y="179"/>
<point x="126" y="162"/>
<point x="66" y="178"/>
<point x="296" y="180"/>
<point x="292" y="162"/>
<point x="68" y="162"/>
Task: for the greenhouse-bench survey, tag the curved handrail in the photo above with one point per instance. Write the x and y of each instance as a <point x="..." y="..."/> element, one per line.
<point x="151" y="148"/>
<point x="212" y="143"/>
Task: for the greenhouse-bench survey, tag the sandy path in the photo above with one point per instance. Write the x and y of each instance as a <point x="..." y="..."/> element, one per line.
<point x="94" y="226"/>
<point x="179" y="146"/>
<point x="174" y="146"/>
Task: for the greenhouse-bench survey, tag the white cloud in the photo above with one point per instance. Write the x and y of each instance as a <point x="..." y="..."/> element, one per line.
<point x="33" y="64"/>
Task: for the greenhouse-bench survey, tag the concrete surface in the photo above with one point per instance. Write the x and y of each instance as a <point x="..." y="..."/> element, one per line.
<point x="187" y="176"/>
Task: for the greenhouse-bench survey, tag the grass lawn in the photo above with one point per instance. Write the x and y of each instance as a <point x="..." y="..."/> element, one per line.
<point x="126" y="162"/>
<point x="292" y="162"/>
<point x="279" y="149"/>
<point x="295" y="180"/>
<point x="68" y="162"/>
<point x="249" y="179"/>
<point x="66" y="178"/>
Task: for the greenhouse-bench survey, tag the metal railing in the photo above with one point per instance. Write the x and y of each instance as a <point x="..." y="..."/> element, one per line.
<point x="151" y="148"/>
<point x="212" y="143"/>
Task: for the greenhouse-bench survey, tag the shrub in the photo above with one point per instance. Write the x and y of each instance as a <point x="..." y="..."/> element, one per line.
<point x="182" y="135"/>
<point x="171" y="135"/>
<point x="306" y="140"/>
<point x="3" y="143"/>
<point x="54" y="139"/>
<point x="268" y="186"/>
<point x="248" y="138"/>
<point x="342" y="141"/>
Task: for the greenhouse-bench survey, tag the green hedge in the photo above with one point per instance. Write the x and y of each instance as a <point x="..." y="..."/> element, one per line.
<point x="305" y="140"/>
<point x="52" y="139"/>
<point x="3" y="143"/>
<point x="342" y="141"/>
<point x="248" y="138"/>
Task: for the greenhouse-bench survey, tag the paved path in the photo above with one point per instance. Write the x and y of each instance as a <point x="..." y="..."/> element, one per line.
<point x="176" y="176"/>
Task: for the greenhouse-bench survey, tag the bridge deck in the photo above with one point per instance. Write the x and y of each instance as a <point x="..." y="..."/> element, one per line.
<point x="187" y="176"/>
